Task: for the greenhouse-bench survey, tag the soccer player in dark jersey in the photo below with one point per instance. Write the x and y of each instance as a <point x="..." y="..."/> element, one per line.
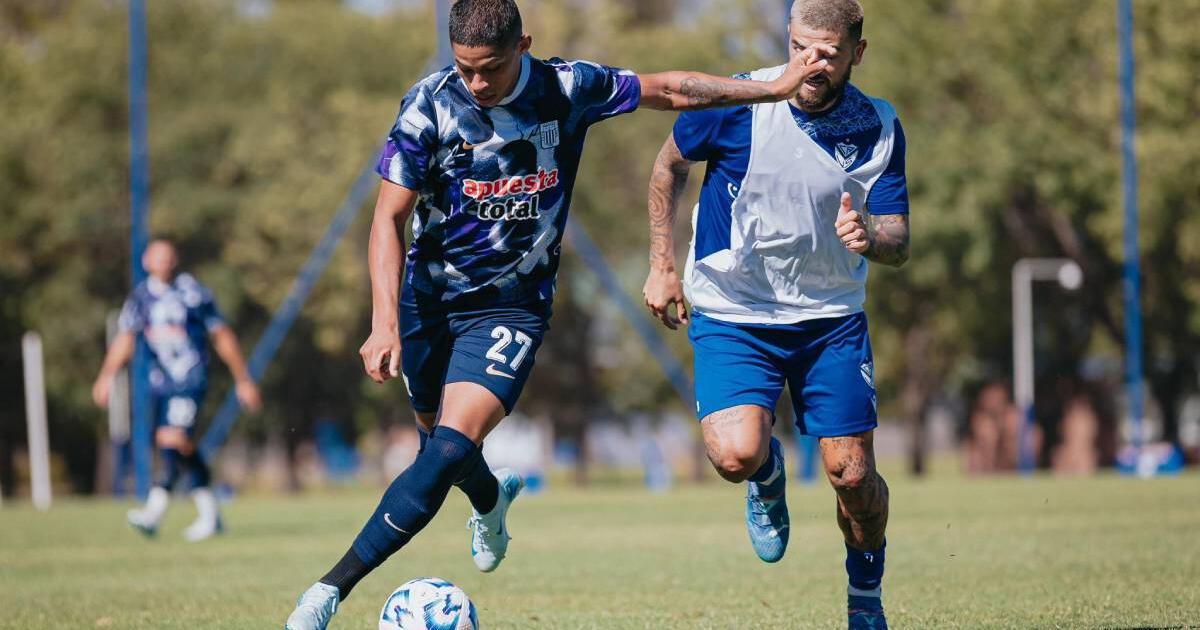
<point x="175" y="314"/>
<point x="486" y="151"/>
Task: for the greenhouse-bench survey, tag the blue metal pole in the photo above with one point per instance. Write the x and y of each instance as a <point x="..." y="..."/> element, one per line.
<point x="1129" y="180"/>
<point x="594" y="260"/>
<point x="139" y="187"/>
<point x="287" y="312"/>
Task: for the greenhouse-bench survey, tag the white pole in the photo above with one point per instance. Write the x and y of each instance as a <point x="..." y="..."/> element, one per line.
<point x="1024" y="273"/>
<point x="118" y="399"/>
<point x="35" y="414"/>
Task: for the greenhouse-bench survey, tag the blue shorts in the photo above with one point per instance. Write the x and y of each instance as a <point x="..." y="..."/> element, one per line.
<point x="492" y="347"/>
<point x="177" y="409"/>
<point x="826" y="362"/>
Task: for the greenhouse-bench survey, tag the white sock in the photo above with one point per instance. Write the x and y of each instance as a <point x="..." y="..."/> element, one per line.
<point x="206" y="505"/>
<point x="156" y="504"/>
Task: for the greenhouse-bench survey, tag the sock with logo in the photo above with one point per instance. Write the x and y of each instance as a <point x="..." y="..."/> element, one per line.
<point x="415" y="496"/>
<point x="170" y="459"/>
<point x="479" y="484"/>
<point x="770" y="476"/>
<point x="865" y="570"/>
<point x="198" y="470"/>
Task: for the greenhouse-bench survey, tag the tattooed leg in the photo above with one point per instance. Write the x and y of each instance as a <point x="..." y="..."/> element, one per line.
<point x="737" y="440"/>
<point x="862" y="494"/>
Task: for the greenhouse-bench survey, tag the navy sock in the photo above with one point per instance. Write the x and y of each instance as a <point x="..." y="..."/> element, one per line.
<point x="865" y="569"/>
<point x="422" y="435"/>
<point x="771" y="474"/>
<point x="346" y="574"/>
<point x="198" y="470"/>
<point x="414" y="497"/>
<point x="479" y="484"/>
<point x="171" y="459"/>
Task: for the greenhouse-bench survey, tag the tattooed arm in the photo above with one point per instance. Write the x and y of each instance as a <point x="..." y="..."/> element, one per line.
<point x="663" y="287"/>
<point x="881" y="238"/>
<point x="888" y="237"/>
<point x="681" y="90"/>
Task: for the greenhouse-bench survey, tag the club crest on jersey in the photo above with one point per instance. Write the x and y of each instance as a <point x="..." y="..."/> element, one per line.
<point x="846" y="153"/>
<point x="548" y="134"/>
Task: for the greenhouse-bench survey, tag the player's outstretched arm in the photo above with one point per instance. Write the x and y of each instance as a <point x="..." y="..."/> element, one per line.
<point x="682" y="90"/>
<point x="226" y="344"/>
<point x="119" y="353"/>
<point x="663" y="288"/>
<point x="385" y="258"/>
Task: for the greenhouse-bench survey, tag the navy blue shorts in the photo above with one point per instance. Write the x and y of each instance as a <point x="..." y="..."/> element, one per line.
<point x="177" y="409"/>
<point x="826" y="362"/>
<point x="492" y="347"/>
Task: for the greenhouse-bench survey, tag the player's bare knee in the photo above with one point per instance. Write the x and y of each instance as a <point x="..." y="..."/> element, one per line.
<point x="850" y="477"/>
<point x="737" y="464"/>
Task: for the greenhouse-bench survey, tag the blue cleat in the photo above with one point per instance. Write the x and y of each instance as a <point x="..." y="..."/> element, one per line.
<point x="489" y="535"/>
<point x="865" y="613"/>
<point x="768" y="523"/>
<point x="314" y="609"/>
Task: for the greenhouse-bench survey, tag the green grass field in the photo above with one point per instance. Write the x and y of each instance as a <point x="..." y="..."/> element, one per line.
<point x="1107" y="553"/>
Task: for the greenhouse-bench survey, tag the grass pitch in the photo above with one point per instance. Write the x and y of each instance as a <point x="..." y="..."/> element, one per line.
<point x="1007" y="553"/>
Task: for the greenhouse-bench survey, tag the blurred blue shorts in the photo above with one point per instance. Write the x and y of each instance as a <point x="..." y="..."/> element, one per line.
<point x="177" y="409"/>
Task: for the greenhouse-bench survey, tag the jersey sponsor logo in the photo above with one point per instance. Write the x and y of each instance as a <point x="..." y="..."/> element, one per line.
<point x="528" y="184"/>
<point x="845" y="153"/>
<point x="509" y="210"/>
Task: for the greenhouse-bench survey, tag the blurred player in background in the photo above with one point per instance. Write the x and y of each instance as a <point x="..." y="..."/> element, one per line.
<point x="486" y="151"/>
<point x="175" y="313"/>
<point x="798" y="196"/>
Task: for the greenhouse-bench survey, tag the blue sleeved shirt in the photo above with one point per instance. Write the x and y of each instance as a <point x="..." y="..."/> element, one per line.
<point x="495" y="183"/>
<point x="175" y="319"/>
<point x="722" y="138"/>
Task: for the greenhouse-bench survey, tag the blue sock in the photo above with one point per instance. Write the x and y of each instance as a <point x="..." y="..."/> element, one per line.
<point x="479" y="484"/>
<point x="422" y="435"/>
<point x="770" y="475"/>
<point x="415" y="496"/>
<point x="865" y="569"/>
<point x="171" y="459"/>
<point x="198" y="470"/>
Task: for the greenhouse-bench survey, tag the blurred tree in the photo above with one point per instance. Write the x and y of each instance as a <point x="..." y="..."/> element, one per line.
<point x="260" y="121"/>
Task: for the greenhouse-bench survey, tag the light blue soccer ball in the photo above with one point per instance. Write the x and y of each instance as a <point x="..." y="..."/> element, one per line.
<point x="428" y="604"/>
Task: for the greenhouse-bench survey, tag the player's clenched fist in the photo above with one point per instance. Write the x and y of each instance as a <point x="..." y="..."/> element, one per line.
<point x="663" y="293"/>
<point x="851" y="227"/>
<point x="381" y="355"/>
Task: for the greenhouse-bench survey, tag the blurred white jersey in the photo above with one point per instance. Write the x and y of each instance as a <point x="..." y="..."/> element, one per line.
<point x="785" y="262"/>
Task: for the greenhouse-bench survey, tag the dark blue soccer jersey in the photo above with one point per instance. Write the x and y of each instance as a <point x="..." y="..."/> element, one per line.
<point x="175" y="319"/>
<point x="721" y="137"/>
<point x="495" y="183"/>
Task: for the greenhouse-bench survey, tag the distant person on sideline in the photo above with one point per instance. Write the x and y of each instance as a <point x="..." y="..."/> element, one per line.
<point x="175" y="314"/>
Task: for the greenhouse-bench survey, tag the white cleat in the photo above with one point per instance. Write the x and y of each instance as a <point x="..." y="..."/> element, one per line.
<point x="208" y="523"/>
<point x="314" y="609"/>
<point x="146" y="518"/>
<point x="489" y="535"/>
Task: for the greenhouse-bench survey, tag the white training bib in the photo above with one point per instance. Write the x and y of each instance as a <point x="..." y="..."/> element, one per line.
<point x="785" y="262"/>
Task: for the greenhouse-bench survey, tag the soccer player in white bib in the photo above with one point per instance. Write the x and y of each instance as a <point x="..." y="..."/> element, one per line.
<point x="799" y="196"/>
